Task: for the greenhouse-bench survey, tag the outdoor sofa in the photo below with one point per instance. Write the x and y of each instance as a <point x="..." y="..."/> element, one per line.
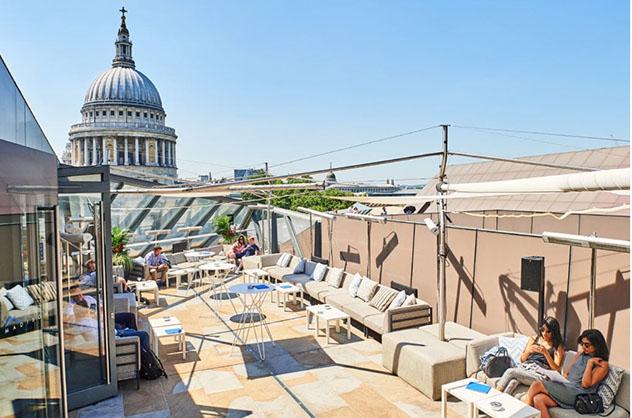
<point x="379" y="322"/>
<point x="477" y="347"/>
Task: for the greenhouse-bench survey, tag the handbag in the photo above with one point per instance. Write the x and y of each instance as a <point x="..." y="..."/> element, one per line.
<point x="588" y="403"/>
<point x="498" y="363"/>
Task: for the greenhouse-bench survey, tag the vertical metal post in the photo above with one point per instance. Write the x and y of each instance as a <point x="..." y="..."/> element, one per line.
<point x="269" y="215"/>
<point x="311" y="236"/>
<point x="593" y="287"/>
<point x="368" y="243"/>
<point x="442" y="238"/>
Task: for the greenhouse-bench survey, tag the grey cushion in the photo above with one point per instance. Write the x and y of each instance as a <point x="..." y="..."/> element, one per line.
<point x="297" y="279"/>
<point x="309" y="267"/>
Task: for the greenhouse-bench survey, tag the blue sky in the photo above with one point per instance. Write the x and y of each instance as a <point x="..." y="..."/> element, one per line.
<point x="247" y="82"/>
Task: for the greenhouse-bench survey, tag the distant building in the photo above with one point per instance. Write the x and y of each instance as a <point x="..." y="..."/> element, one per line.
<point x="245" y="173"/>
<point x="123" y="121"/>
<point x="358" y="187"/>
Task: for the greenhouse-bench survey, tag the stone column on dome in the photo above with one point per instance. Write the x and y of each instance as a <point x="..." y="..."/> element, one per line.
<point x="94" y="150"/>
<point x="146" y="151"/>
<point x="126" y="162"/>
<point x="72" y="152"/>
<point x="174" y="154"/>
<point x="156" y="152"/>
<point x="168" y="153"/>
<point x="84" y="144"/>
<point x="115" y="150"/>
<point x="104" y="154"/>
<point x="136" y="154"/>
<point x="162" y="157"/>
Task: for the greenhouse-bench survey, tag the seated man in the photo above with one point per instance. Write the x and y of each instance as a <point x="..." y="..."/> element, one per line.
<point x="157" y="264"/>
<point x="251" y="249"/>
<point x="125" y="326"/>
<point x="89" y="277"/>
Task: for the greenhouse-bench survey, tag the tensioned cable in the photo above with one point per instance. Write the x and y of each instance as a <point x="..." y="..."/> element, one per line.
<point x="563" y="135"/>
<point x="537" y="215"/>
<point x="374" y="141"/>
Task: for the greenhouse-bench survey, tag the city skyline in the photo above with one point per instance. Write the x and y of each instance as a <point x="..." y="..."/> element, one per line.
<point x="303" y="79"/>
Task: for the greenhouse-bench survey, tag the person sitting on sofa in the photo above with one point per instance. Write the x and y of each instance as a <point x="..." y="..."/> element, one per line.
<point x="587" y="370"/>
<point x="157" y="264"/>
<point x="89" y="277"/>
<point x="239" y="246"/>
<point x="125" y="326"/>
<point x="545" y="350"/>
<point x="251" y="249"/>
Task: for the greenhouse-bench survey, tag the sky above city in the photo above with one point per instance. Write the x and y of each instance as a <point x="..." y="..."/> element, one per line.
<point x="245" y="82"/>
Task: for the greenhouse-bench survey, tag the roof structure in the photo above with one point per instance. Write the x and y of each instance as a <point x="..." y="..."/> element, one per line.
<point x="600" y="159"/>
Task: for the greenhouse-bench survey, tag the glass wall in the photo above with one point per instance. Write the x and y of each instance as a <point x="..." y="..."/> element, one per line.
<point x="31" y="368"/>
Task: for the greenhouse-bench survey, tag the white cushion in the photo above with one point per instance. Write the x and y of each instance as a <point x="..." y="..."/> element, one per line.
<point x="19" y="297"/>
<point x="284" y="260"/>
<point x="4" y="300"/>
<point x="398" y="301"/>
<point x="300" y="267"/>
<point x="319" y="272"/>
<point x="355" y="285"/>
<point x="334" y="277"/>
<point x="367" y="289"/>
<point x="410" y="300"/>
<point x="515" y="346"/>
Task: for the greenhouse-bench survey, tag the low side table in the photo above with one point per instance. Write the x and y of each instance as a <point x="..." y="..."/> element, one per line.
<point x="160" y="328"/>
<point x="470" y="397"/>
<point x="505" y="406"/>
<point x="284" y="290"/>
<point x="328" y="314"/>
<point x="147" y="286"/>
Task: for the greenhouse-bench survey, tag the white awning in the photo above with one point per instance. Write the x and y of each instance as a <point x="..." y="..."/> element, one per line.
<point x="605" y="180"/>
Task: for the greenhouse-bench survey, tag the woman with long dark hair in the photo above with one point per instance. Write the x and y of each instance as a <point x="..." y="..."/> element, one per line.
<point x="588" y="369"/>
<point x="544" y="350"/>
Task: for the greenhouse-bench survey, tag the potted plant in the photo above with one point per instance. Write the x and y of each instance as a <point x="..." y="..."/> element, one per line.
<point x="121" y="261"/>
<point x="225" y="229"/>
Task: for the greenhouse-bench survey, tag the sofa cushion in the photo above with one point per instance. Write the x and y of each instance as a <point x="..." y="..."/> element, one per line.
<point x="359" y="311"/>
<point x="515" y="346"/>
<point x="398" y="301"/>
<point x="355" y="285"/>
<point x="623" y="395"/>
<point x="309" y="267"/>
<point x="315" y="289"/>
<point x="36" y="292"/>
<point x="383" y="298"/>
<point x="6" y="303"/>
<point x="19" y="297"/>
<point x="50" y="291"/>
<point x="278" y="272"/>
<point x="410" y="300"/>
<point x="455" y="334"/>
<point x="297" y="280"/>
<point x="610" y="386"/>
<point x="340" y="298"/>
<point x="300" y="267"/>
<point x="367" y="289"/>
<point x="284" y="260"/>
<point x="334" y="277"/>
<point x="319" y="272"/>
<point x="375" y="322"/>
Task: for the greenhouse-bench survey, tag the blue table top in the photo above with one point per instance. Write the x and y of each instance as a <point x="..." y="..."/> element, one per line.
<point x="250" y="288"/>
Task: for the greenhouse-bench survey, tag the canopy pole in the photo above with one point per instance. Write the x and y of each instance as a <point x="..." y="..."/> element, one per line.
<point x="442" y="238"/>
<point x="593" y="287"/>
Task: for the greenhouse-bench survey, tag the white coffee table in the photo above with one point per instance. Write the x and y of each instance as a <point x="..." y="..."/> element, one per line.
<point x="217" y="272"/>
<point x="328" y="314"/>
<point x="504" y="405"/>
<point x="163" y="327"/>
<point x="284" y="290"/>
<point x="147" y="286"/>
<point x="256" y="274"/>
<point x="470" y="397"/>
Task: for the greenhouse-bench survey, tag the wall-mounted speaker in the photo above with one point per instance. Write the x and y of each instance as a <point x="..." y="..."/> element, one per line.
<point x="532" y="273"/>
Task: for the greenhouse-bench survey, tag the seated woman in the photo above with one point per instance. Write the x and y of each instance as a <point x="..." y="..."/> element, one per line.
<point x="239" y="246"/>
<point x="588" y="369"/>
<point x="251" y="249"/>
<point x="545" y="350"/>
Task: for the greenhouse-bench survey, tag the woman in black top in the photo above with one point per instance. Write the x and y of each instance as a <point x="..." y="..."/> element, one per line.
<point x="545" y="350"/>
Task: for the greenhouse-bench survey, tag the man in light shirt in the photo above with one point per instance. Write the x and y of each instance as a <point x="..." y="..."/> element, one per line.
<point x="157" y="264"/>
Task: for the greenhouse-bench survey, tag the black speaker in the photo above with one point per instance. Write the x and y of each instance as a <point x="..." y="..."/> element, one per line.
<point x="532" y="273"/>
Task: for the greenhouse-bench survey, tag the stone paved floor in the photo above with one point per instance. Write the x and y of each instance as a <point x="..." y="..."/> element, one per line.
<point x="301" y="376"/>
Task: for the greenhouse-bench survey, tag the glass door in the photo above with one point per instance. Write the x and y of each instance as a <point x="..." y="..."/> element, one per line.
<point x="87" y="342"/>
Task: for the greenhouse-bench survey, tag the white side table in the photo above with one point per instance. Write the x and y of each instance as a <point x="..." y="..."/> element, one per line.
<point x="470" y="397"/>
<point x="328" y="314"/>
<point x="147" y="286"/>
<point x="167" y="326"/>
<point x="284" y="290"/>
<point x="506" y="406"/>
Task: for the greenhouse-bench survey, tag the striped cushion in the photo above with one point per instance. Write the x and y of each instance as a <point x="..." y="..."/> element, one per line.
<point x="383" y="298"/>
<point x="610" y="386"/>
<point x="50" y="291"/>
<point x="367" y="289"/>
<point x="36" y="292"/>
